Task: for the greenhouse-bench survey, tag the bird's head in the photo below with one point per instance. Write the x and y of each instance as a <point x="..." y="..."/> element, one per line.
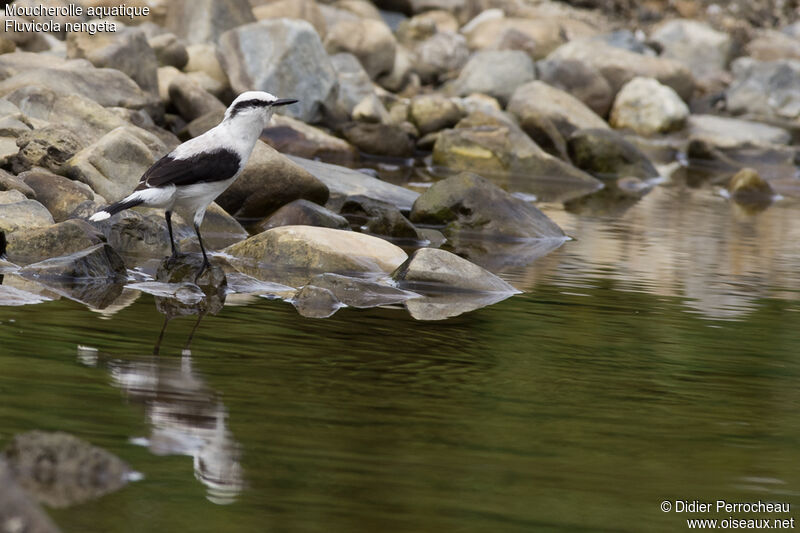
<point x="255" y="105"/>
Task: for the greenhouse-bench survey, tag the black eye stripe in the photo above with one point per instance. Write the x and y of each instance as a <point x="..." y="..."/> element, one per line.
<point x="246" y="104"/>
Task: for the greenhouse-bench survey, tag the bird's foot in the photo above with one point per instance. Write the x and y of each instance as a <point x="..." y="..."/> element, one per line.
<point x="203" y="268"/>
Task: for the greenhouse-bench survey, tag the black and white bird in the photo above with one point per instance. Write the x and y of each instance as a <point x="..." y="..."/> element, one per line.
<point x="190" y="177"/>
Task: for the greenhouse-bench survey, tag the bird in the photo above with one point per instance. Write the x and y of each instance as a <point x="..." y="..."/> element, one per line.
<point x="191" y="176"/>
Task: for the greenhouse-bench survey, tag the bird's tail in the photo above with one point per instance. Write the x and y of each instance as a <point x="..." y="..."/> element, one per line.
<point x="113" y="209"/>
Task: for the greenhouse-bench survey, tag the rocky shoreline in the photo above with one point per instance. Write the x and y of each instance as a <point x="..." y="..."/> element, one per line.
<point x="489" y="104"/>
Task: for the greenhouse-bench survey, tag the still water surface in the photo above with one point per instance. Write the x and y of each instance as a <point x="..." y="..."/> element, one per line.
<point x="655" y="357"/>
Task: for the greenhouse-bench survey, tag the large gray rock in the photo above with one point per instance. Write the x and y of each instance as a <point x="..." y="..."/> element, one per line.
<point x="496" y="73"/>
<point x="284" y="57"/>
<point x="765" y="88"/>
<point x="303" y="213"/>
<point x="307" y="10"/>
<point x="342" y="182"/>
<point x="23" y="214"/>
<point x="605" y="154"/>
<point x="727" y="132"/>
<point x="619" y="66"/>
<point x="126" y="50"/>
<point x="268" y="181"/>
<point x="32" y="245"/>
<point x="431" y="268"/>
<point x="581" y="80"/>
<point x="96" y="262"/>
<point x="204" y="21"/>
<point x="371" y="41"/>
<point x="647" y="107"/>
<point x="467" y="203"/>
<point x="354" y="83"/>
<point x="703" y="49"/>
<point x="48" y="147"/>
<point x="58" y="194"/>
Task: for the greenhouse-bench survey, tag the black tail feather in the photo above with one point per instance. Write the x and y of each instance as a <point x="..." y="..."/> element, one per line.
<point x="113" y="209"/>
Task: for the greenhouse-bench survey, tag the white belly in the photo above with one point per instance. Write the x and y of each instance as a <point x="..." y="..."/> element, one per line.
<point x="192" y="200"/>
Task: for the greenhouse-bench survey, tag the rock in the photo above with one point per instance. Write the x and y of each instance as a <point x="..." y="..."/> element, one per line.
<point x="359" y="292"/>
<point x="363" y="9"/>
<point x="697" y="45"/>
<point x="284" y="57"/>
<point x="61" y="470"/>
<point x="771" y="161"/>
<point x="113" y="165"/>
<point x="303" y="213"/>
<point x="620" y="66"/>
<point x="771" y="45"/>
<point x="18" y="512"/>
<point x="169" y="50"/>
<point x="182" y="269"/>
<point x="379" y="139"/>
<point x="371" y="41"/>
<point x="468" y="203"/>
<point x="191" y="100"/>
<point x="315" y="302"/>
<point x="9" y="182"/>
<point x="126" y="50"/>
<point x="648" y="107"/>
<point x="203" y="58"/>
<point x="13" y="122"/>
<point x="371" y="109"/>
<point x="726" y="132"/>
<point x="139" y="234"/>
<point x="764" y="88"/>
<point x="203" y="123"/>
<point x="496" y="73"/>
<point x="291" y="136"/>
<point x="539" y="107"/>
<point x="545" y="35"/>
<point x="48" y="147"/>
<point x="429" y="267"/>
<point x="307" y="10"/>
<point x="24" y="214"/>
<point x="605" y="154"/>
<point x="27" y="246"/>
<point x="11" y="197"/>
<point x="748" y="187"/>
<point x="97" y="262"/>
<point x="204" y="21"/>
<point x="440" y="306"/>
<point x="343" y="182"/>
<point x="58" y="194"/>
<point x="72" y="111"/>
<point x="433" y="112"/>
<point x="378" y="218"/>
<point x="317" y="250"/>
<point x="354" y="82"/>
<point x="439" y="56"/>
<point x="581" y="80"/>
<point x="268" y="181"/>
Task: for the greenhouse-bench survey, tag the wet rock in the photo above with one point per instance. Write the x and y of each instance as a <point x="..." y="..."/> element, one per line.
<point x="18" y="512"/>
<point x="191" y="100"/>
<point x="771" y="45"/>
<point x="26" y="246"/>
<point x="318" y="250"/>
<point x="169" y="50"/>
<point x="303" y="213"/>
<point x="496" y="73"/>
<point x="182" y="270"/>
<point x="291" y="136"/>
<point x="764" y="88"/>
<point x="315" y="302"/>
<point x="61" y="470"/>
<point x="23" y="214"/>
<point x="9" y="182"/>
<point x="371" y="41"/>
<point x="47" y="147"/>
<point x="703" y="49"/>
<point x="433" y="112"/>
<point x="581" y="80"/>
<point x="268" y="181"/>
<point x="98" y="261"/>
<point x="619" y="66"/>
<point x="772" y="162"/>
<point x="429" y="268"/>
<point x="468" y="203"/>
<point x="539" y="107"/>
<point x="284" y="57"/>
<point x="204" y="21"/>
<point x="343" y="182"/>
<point x="58" y="194"/>
<point x="726" y="132"/>
<point x="379" y="218"/>
<point x="126" y="50"/>
<point x="748" y="187"/>
<point x="440" y="306"/>
<point x="113" y="165"/>
<point x="307" y="10"/>
<point x="605" y="154"/>
<point x="647" y="107"/>
<point x="379" y="139"/>
<point x="359" y="292"/>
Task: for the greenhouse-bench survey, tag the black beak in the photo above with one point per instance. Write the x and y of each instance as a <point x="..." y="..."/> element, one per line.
<point x="283" y="101"/>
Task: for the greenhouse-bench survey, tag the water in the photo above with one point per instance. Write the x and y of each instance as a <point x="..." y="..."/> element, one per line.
<point x="653" y="358"/>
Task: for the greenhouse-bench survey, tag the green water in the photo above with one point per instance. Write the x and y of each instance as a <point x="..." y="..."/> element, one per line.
<point x="655" y="357"/>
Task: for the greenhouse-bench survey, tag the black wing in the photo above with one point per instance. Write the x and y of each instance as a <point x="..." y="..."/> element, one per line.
<point x="204" y="167"/>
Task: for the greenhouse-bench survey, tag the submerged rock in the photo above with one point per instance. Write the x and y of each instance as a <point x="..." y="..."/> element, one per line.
<point x="182" y="270"/>
<point x="647" y="107"/>
<point x="468" y="203"/>
<point x="438" y="270"/>
<point x="18" y="511"/>
<point x="360" y="292"/>
<point x="303" y="213"/>
<point x="316" y="302"/>
<point x="98" y="261"/>
<point x="61" y="470"/>
<point x="27" y="246"/>
<point x="440" y="306"/>
<point x="748" y="187"/>
<point x="605" y="154"/>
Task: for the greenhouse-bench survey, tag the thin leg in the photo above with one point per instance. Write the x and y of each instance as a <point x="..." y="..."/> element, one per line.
<point x="206" y="264"/>
<point x="157" y="347"/>
<point x="168" y="216"/>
